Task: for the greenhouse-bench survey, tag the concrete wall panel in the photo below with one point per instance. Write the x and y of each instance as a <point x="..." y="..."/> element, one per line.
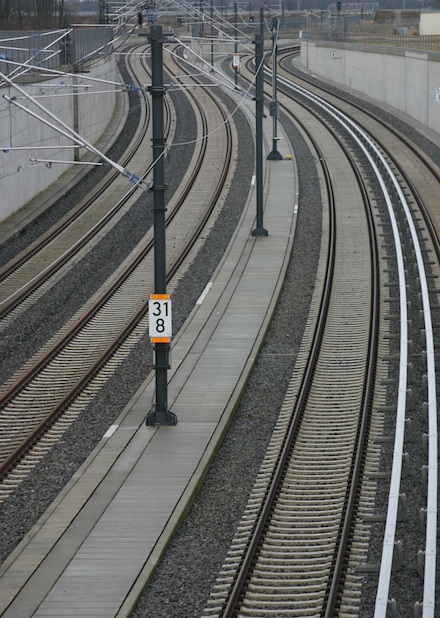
<point x="416" y="86"/>
<point x="95" y="110"/>
<point x="433" y="96"/>
<point x="21" y="178"/>
<point x="356" y="71"/>
<point x="407" y="80"/>
<point x="392" y="78"/>
<point x="21" y="175"/>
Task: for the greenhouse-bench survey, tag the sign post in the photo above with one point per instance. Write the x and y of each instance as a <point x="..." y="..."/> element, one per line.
<point x="160" y="303"/>
<point x="159" y="312"/>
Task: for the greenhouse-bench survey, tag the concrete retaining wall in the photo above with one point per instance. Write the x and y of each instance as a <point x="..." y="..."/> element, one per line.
<point x="96" y="110"/>
<point x="21" y="177"/>
<point x="407" y="80"/>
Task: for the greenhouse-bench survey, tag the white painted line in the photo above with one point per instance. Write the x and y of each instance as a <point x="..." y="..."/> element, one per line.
<point x="204" y="293"/>
<point x="110" y="431"/>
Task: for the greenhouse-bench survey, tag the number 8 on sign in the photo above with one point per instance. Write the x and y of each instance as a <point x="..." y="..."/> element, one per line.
<point x="159" y="309"/>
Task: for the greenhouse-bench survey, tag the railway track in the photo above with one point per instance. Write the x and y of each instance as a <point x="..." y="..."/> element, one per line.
<point x="287" y="542"/>
<point x="355" y="411"/>
<point x="89" y="342"/>
<point x="413" y="181"/>
<point x="78" y="231"/>
<point x="301" y="545"/>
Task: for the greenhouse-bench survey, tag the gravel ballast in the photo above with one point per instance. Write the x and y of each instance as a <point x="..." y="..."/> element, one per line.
<point x="183" y="580"/>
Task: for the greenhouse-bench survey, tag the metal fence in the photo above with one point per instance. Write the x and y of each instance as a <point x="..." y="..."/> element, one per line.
<point x="88" y="42"/>
<point x="422" y="43"/>
<point x="53" y="49"/>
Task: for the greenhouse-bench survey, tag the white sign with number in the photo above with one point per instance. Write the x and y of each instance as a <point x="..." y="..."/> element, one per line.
<point x="437" y="94"/>
<point x="159" y="309"/>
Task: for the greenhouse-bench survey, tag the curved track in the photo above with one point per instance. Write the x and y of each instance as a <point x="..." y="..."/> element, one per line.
<point x="290" y="534"/>
<point x="413" y="183"/>
<point x="77" y="231"/>
<point x="311" y="551"/>
<point x="288" y="559"/>
<point x="98" y="332"/>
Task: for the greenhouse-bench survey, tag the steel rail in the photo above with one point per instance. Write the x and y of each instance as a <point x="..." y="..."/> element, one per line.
<point x="29" y="288"/>
<point x="377" y="160"/>
<point x="346" y="529"/>
<point x="21" y="384"/>
<point x="401" y="137"/>
<point x="38" y="366"/>
<point x="232" y="603"/>
<point x="6" y="270"/>
<point x="339" y="568"/>
<point x="87" y="376"/>
<point x="339" y="564"/>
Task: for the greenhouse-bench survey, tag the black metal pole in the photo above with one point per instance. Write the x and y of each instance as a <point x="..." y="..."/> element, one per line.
<point x="202" y="19"/>
<point x="259" y="230"/>
<point x="274" y="155"/>
<point x="236" y="43"/>
<point x="212" y="36"/>
<point x="159" y="415"/>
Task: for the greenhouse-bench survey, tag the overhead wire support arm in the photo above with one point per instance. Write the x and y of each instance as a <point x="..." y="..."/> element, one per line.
<point x="67" y="131"/>
<point x="24" y="67"/>
<point x="62" y="74"/>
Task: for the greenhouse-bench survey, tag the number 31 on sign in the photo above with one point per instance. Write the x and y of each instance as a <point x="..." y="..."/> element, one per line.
<point x="159" y="309"/>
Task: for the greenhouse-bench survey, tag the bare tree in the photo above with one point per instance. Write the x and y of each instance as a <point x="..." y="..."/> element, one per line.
<point x="34" y="14"/>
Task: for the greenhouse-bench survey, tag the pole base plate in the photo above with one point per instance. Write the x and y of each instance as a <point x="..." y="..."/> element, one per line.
<point x="274" y="156"/>
<point x="160" y="417"/>
<point x="260" y="231"/>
